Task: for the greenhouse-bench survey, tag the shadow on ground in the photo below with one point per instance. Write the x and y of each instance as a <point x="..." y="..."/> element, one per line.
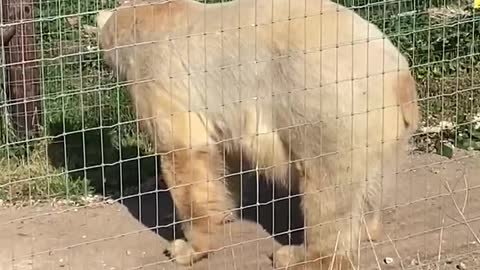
<point x="130" y="176"/>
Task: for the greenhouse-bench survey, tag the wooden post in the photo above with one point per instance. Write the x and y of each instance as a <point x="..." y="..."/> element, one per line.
<point x="23" y="76"/>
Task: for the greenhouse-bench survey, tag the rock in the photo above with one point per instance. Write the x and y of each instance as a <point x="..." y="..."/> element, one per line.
<point x="388" y="260"/>
<point x="461" y="266"/>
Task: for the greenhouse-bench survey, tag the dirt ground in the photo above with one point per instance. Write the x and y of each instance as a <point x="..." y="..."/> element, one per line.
<point x="426" y="227"/>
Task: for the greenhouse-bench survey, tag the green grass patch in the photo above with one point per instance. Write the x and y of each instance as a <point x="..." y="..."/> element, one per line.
<point x="31" y="177"/>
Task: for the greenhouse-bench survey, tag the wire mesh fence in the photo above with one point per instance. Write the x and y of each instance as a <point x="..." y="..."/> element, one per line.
<point x="241" y="127"/>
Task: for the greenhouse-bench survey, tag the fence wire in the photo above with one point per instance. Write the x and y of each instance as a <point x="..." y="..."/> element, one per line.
<point x="228" y="107"/>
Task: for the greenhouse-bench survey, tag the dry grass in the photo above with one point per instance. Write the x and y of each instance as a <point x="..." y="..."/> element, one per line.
<point x="31" y="178"/>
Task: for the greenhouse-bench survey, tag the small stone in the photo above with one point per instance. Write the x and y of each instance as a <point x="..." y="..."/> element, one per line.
<point x="129" y="252"/>
<point x="110" y="201"/>
<point x="388" y="260"/>
<point x="414" y="262"/>
<point x="461" y="266"/>
<point x="91" y="49"/>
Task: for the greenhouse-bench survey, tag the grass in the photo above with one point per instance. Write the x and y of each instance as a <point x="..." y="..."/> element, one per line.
<point x="35" y="178"/>
<point x="90" y="145"/>
<point x="88" y="135"/>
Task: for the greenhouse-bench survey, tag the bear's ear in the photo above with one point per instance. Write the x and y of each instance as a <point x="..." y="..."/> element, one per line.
<point x="102" y="18"/>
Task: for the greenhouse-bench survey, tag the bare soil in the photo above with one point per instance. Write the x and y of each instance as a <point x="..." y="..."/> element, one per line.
<point x="426" y="227"/>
